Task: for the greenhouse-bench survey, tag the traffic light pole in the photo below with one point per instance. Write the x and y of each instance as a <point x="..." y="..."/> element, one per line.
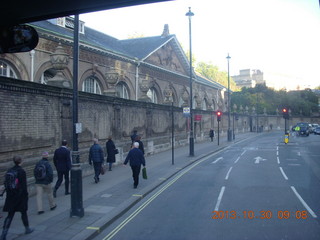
<point x="218" y="132"/>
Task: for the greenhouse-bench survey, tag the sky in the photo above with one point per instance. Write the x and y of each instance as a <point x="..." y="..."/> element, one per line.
<point x="279" y="37"/>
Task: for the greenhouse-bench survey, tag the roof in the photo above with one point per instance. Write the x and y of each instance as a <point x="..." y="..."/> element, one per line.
<point x="136" y="48"/>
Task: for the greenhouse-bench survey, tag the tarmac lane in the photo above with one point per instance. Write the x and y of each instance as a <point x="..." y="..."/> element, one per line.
<point x="238" y="193"/>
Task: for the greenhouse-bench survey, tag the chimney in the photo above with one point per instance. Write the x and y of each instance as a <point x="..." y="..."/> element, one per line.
<point x="165" y="32"/>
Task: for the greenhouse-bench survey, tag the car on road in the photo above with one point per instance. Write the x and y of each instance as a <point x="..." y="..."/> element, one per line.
<point x="304" y="130"/>
<point x="317" y="131"/>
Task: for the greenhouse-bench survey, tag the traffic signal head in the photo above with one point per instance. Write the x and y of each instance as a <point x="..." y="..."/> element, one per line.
<point x="285" y="113"/>
<point x="219" y="114"/>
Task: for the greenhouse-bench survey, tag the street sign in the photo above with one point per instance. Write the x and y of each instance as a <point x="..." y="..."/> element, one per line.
<point x="186" y="111"/>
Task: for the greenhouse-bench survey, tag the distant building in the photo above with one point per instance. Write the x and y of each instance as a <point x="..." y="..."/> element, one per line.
<point x="249" y="78"/>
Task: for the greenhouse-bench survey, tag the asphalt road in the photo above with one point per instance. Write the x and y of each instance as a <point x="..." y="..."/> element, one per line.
<point x="256" y="189"/>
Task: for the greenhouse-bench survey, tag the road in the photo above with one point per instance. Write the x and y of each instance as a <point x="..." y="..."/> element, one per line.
<point x="256" y="189"/>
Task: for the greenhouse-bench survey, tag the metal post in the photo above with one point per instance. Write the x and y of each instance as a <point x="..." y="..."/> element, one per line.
<point x="218" y="132"/>
<point x="172" y="132"/>
<point x="229" y="119"/>
<point x="191" y="138"/>
<point x="76" y="172"/>
<point x="234" y="137"/>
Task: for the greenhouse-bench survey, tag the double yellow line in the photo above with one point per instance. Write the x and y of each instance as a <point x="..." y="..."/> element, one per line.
<point x="146" y="203"/>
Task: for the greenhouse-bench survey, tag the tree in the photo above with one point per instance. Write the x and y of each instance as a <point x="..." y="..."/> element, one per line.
<point x="213" y="73"/>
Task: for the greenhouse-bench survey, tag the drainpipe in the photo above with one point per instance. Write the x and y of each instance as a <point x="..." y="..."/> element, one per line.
<point x="137" y="79"/>
<point x="32" y="52"/>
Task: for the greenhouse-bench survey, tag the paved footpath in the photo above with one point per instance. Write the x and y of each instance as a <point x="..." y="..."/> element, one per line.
<point x="110" y="198"/>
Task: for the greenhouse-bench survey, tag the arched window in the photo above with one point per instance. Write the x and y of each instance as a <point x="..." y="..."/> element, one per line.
<point x="91" y="85"/>
<point x="152" y="94"/>
<point x="48" y="74"/>
<point x="122" y="90"/>
<point x="204" y="104"/>
<point x="6" y="70"/>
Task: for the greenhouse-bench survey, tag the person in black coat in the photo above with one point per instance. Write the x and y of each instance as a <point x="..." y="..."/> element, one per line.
<point x="17" y="200"/>
<point x="138" y="140"/>
<point x="111" y="152"/>
<point x="136" y="159"/>
<point x="211" y="134"/>
<point x="62" y="162"/>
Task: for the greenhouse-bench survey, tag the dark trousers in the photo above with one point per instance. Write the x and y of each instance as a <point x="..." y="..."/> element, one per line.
<point x="8" y="220"/>
<point x="135" y="174"/>
<point x="97" y="169"/>
<point x="66" y="180"/>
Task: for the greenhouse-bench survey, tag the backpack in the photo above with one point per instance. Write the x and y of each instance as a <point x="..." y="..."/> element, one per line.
<point x="40" y="171"/>
<point x="11" y="181"/>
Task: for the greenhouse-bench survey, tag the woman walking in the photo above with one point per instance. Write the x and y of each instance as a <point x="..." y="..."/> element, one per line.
<point x="111" y="152"/>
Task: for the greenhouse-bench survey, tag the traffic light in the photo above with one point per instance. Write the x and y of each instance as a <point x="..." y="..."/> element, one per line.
<point x="285" y="113"/>
<point x="219" y="114"/>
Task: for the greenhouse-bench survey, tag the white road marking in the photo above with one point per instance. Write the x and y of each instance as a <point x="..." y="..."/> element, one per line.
<point x="278" y="160"/>
<point x="258" y="159"/>
<point x="294" y="164"/>
<point x="217" y="160"/>
<point x="219" y="198"/>
<point x="237" y="160"/>
<point x="277" y="153"/>
<point x="299" y="154"/>
<point x="243" y="152"/>
<point x="303" y="202"/>
<point x="227" y="176"/>
<point x="284" y="175"/>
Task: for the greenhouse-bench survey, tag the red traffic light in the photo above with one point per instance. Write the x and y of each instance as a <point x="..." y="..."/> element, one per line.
<point x="219" y="114"/>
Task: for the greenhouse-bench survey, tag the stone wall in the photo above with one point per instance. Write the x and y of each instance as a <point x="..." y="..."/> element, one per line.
<point x="36" y="117"/>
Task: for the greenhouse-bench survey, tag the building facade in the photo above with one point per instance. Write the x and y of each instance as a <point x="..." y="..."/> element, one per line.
<point x="152" y="69"/>
<point x="249" y="78"/>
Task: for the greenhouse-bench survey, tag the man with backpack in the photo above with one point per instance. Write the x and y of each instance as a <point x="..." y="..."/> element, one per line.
<point x="43" y="175"/>
<point x="17" y="197"/>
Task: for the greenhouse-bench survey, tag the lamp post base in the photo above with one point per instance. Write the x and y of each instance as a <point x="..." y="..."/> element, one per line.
<point x="229" y="135"/>
<point x="76" y="191"/>
<point x="191" y="147"/>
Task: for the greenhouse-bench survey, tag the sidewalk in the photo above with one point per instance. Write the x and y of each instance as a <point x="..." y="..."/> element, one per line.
<point x="110" y="198"/>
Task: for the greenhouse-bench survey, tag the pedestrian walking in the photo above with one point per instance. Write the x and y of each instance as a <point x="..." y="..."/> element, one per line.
<point x="17" y="197"/>
<point x="141" y="147"/>
<point x="136" y="159"/>
<point x="211" y="134"/>
<point x="111" y="152"/>
<point x="133" y="137"/>
<point x="62" y="162"/>
<point x="43" y="175"/>
<point x="96" y="157"/>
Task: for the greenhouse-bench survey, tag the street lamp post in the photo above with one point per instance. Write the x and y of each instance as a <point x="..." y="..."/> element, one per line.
<point x="229" y="120"/>
<point x="76" y="172"/>
<point x="189" y="14"/>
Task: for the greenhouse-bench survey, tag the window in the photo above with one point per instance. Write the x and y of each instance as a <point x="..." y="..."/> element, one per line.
<point x="48" y="74"/>
<point x="91" y="85"/>
<point x="122" y="90"/>
<point x="152" y="94"/>
<point x="6" y="70"/>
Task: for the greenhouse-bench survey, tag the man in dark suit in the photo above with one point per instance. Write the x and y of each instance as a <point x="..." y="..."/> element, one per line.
<point x="62" y="162"/>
